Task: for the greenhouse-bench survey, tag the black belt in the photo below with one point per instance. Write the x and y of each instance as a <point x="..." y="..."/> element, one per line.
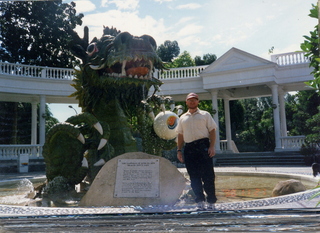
<point x="196" y="142"/>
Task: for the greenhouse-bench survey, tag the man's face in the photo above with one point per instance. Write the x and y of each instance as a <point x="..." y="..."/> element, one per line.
<point x="192" y="103"/>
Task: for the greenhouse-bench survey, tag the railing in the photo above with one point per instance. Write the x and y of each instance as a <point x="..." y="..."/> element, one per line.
<point x="179" y="73"/>
<point x="174" y="73"/>
<point x="294" y="58"/>
<point x="12" y="152"/>
<point x="36" y="71"/>
<point x="224" y="146"/>
<point x="292" y="143"/>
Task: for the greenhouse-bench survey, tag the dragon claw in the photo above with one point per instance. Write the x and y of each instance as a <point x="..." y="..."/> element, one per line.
<point x="81" y="138"/>
<point x="99" y="163"/>
<point x="98" y="127"/>
<point x="84" y="162"/>
<point x="102" y="143"/>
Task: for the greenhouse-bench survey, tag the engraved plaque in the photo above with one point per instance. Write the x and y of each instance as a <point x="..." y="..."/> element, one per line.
<point x="137" y="178"/>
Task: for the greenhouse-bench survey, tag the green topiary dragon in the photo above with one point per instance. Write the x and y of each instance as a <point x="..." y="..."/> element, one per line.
<point x="112" y="88"/>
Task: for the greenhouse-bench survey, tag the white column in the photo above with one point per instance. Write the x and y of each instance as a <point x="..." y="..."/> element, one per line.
<point x="214" y="98"/>
<point x="42" y="120"/>
<point x="276" y="116"/>
<point x="228" y="123"/>
<point x="34" y="123"/>
<point x="283" y="120"/>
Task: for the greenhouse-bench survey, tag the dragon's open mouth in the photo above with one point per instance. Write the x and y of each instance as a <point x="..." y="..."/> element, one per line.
<point x="136" y="68"/>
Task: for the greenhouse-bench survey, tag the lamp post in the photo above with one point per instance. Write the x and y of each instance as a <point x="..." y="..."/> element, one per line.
<point x="70" y="106"/>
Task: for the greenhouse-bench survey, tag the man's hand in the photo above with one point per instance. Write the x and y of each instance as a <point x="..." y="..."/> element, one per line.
<point x="211" y="151"/>
<point x="180" y="157"/>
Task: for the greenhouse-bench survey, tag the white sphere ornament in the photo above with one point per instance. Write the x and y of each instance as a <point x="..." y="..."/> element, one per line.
<point x="165" y="124"/>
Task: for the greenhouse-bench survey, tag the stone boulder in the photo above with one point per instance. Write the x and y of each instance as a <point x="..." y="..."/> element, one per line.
<point x="104" y="190"/>
<point x="288" y="187"/>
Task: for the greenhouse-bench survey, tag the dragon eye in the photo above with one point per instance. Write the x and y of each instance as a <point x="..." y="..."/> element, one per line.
<point x="92" y="48"/>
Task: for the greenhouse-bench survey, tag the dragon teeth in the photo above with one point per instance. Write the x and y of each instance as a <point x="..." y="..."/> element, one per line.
<point x="118" y="75"/>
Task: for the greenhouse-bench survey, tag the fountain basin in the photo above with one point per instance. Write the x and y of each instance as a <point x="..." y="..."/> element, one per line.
<point x="231" y="201"/>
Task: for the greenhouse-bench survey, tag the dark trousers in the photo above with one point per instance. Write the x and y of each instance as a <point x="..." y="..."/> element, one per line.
<point x="200" y="169"/>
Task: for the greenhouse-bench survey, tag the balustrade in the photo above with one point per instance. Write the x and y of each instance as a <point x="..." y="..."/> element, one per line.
<point x="179" y="73"/>
<point x="12" y="152"/>
<point x="290" y="58"/>
<point x="36" y="71"/>
<point x="293" y="143"/>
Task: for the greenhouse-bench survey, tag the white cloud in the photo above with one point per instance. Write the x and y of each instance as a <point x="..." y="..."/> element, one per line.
<point x="190" y="6"/>
<point x="161" y="1"/>
<point x="122" y="4"/>
<point x="125" y="21"/>
<point x="104" y="3"/>
<point x="190" y="29"/>
<point x="84" y="6"/>
<point x="184" y="20"/>
<point x="217" y="37"/>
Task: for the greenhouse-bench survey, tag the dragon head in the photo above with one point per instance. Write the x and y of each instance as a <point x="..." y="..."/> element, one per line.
<point x="124" y="56"/>
<point x="121" y="54"/>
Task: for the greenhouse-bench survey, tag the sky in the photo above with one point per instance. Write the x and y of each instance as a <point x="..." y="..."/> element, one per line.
<point x="201" y="27"/>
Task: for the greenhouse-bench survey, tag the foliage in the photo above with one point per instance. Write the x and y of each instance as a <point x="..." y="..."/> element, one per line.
<point x="168" y="50"/>
<point x="311" y="47"/>
<point x="207" y="59"/>
<point x="42" y="27"/>
<point x="43" y="39"/>
<point x="15" y="122"/>
<point x="302" y="106"/>
<point x="314" y="124"/>
<point x="256" y="132"/>
<point x="309" y="150"/>
<point x="183" y="60"/>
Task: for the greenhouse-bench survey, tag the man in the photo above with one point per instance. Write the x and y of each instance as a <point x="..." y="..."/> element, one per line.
<point x="197" y="133"/>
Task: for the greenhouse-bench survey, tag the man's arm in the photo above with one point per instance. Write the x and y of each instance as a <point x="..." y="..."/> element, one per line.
<point x="180" y="145"/>
<point x="212" y="137"/>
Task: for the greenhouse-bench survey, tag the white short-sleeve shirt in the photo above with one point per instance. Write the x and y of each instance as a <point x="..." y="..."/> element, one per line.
<point x="195" y="126"/>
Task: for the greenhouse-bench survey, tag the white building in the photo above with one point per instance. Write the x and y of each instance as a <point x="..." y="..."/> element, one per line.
<point x="235" y="75"/>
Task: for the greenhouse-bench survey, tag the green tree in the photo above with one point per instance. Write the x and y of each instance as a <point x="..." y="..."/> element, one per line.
<point x="257" y="133"/>
<point x="43" y="29"/>
<point x="314" y="125"/>
<point x="206" y="59"/>
<point x="168" y="50"/>
<point x="33" y="33"/>
<point x="183" y="60"/>
<point x="311" y="47"/>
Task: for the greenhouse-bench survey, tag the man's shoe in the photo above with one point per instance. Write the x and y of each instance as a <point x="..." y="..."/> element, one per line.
<point x="211" y="206"/>
<point x="201" y="205"/>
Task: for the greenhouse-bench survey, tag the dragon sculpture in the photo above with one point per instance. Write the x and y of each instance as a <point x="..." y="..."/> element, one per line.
<point x="112" y="88"/>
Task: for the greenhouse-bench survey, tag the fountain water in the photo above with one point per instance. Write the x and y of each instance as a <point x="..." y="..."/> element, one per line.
<point x="233" y="189"/>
